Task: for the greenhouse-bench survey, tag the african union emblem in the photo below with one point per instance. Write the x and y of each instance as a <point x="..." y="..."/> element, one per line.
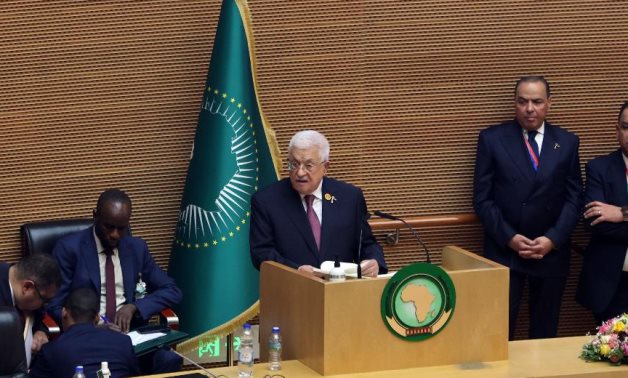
<point x="418" y="301"/>
<point x="227" y="208"/>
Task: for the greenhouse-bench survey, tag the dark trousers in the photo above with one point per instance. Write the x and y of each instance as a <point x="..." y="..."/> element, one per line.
<point x="545" y="296"/>
<point x="619" y="303"/>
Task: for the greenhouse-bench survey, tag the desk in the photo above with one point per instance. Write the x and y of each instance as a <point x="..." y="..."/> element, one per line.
<point x="528" y="358"/>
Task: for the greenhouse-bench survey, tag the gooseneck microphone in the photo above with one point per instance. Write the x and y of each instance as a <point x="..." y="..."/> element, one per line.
<point x="360" y="254"/>
<point x="194" y="363"/>
<point x="416" y="235"/>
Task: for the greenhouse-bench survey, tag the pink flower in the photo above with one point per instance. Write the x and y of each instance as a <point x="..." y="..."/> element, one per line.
<point x="613" y="342"/>
<point x="605" y="328"/>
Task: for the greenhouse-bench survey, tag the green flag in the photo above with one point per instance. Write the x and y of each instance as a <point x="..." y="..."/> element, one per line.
<point x="232" y="155"/>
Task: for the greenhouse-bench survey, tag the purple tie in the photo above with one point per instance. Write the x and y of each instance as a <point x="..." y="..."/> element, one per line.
<point x="315" y="224"/>
<point x="110" y="287"/>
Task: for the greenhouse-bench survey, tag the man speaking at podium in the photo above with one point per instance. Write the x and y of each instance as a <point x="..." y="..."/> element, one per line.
<point x="309" y="218"/>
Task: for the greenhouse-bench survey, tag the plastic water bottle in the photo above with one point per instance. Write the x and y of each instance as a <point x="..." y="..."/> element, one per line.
<point x="245" y="353"/>
<point x="336" y="273"/>
<point x="104" y="371"/>
<point x="274" y="350"/>
<point x="78" y="372"/>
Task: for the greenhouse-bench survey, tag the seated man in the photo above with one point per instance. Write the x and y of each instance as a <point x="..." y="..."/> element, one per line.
<point x="27" y="286"/>
<point x="309" y="218"/>
<point x="82" y="343"/>
<point x="116" y="265"/>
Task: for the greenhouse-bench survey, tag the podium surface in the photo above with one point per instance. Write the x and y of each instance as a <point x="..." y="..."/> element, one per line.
<point x="337" y="327"/>
<point x="541" y="358"/>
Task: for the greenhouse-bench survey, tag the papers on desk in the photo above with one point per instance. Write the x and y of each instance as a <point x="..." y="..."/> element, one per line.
<point x="138" y="338"/>
<point x="351" y="269"/>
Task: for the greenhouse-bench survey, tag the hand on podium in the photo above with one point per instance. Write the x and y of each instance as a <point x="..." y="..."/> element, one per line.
<point x="370" y="268"/>
<point x="306" y="269"/>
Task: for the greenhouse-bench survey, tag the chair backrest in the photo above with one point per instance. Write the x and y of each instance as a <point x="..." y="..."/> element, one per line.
<point x="40" y="237"/>
<point x="13" y="356"/>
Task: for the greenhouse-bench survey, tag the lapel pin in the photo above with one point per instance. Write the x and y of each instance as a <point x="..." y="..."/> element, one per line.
<point x="330" y="197"/>
<point x="556" y="146"/>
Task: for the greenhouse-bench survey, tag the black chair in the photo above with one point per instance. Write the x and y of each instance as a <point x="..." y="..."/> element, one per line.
<point x="13" y="356"/>
<point x="40" y="237"/>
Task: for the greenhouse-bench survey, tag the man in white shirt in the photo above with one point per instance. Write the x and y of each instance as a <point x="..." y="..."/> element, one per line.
<point x="27" y="286"/>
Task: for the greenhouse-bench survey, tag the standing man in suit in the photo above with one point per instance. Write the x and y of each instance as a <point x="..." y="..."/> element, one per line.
<point x="309" y="218"/>
<point x="527" y="194"/>
<point x="115" y="264"/>
<point x="27" y="286"/>
<point x="82" y="343"/>
<point x="603" y="286"/>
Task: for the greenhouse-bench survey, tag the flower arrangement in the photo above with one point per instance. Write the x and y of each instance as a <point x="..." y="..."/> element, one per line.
<point x="610" y="343"/>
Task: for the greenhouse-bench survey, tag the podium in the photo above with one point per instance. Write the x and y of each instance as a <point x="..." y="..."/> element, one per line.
<point x="337" y="327"/>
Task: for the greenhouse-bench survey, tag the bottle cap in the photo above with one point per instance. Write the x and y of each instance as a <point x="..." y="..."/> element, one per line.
<point x="275" y="329"/>
<point x="247" y="326"/>
<point x="79" y="369"/>
<point x="104" y="365"/>
<point x="337" y="273"/>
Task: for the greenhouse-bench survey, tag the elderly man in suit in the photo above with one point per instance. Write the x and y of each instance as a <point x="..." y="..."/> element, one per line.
<point x="527" y="193"/>
<point x="27" y="286"/>
<point x="82" y="343"/>
<point x="309" y="218"/>
<point x="106" y="258"/>
<point x="603" y="286"/>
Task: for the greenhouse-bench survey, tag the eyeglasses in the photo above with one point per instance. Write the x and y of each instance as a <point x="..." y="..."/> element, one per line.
<point x="294" y="166"/>
<point x="43" y="299"/>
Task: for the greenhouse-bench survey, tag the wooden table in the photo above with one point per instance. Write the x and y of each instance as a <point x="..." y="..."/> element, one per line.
<point x="528" y="358"/>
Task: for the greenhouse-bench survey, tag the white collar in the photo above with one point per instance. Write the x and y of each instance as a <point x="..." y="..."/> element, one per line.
<point x="318" y="192"/>
<point x="540" y="130"/>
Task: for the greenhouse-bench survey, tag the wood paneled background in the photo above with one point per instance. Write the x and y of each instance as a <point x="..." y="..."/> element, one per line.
<point x="97" y="94"/>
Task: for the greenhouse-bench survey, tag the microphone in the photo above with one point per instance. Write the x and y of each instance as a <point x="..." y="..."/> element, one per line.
<point x="194" y="363"/>
<point x="360" y="254"/>
<point x="416" y="235"/>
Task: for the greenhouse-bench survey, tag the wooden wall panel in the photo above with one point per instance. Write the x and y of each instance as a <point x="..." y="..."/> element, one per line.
<point x="101" y="94"/>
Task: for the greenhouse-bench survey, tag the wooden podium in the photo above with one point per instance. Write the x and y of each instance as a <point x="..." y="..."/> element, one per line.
<point x="337" y="327"/>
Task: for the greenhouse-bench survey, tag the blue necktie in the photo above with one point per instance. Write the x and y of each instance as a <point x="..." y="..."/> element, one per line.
<point x="534" y="146"/>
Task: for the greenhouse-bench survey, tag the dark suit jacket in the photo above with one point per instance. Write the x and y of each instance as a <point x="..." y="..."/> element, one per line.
<point x="604" y="256"/>
<point x="281" y="232"/>
<point x="6" y="299"/>
<point x="78" y="262"/>
<point x="510" y="198"/>
<point x="84" y="344"/>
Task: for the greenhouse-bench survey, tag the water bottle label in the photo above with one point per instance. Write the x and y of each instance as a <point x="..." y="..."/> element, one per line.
<point x="273" y="345"/>
<point x="245" y="356"/>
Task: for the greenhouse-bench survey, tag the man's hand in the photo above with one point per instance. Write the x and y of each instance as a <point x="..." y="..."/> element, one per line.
<point x="370" y="268"/>
<point x="306" y="269"/>
<point x="531" y="249"/>
<point x="604" y="213"/>
<point x="519" y="243"/>
<point x="111" y="326"/>
<point x="124" y="316"/>
<point x="541" y="246"/>
<point x="39" y="339"/>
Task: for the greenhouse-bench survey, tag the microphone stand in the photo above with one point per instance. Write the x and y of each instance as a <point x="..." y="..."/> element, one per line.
<point x="416" y="235"/>
<point x="360" y="254"/>
<point x="193" y="363"/>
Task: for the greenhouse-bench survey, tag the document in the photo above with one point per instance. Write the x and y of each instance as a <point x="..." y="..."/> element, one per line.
<point x="138" y="338"/>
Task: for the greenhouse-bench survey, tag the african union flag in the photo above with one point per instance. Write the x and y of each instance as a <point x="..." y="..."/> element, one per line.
<point x="232" y="155"/>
